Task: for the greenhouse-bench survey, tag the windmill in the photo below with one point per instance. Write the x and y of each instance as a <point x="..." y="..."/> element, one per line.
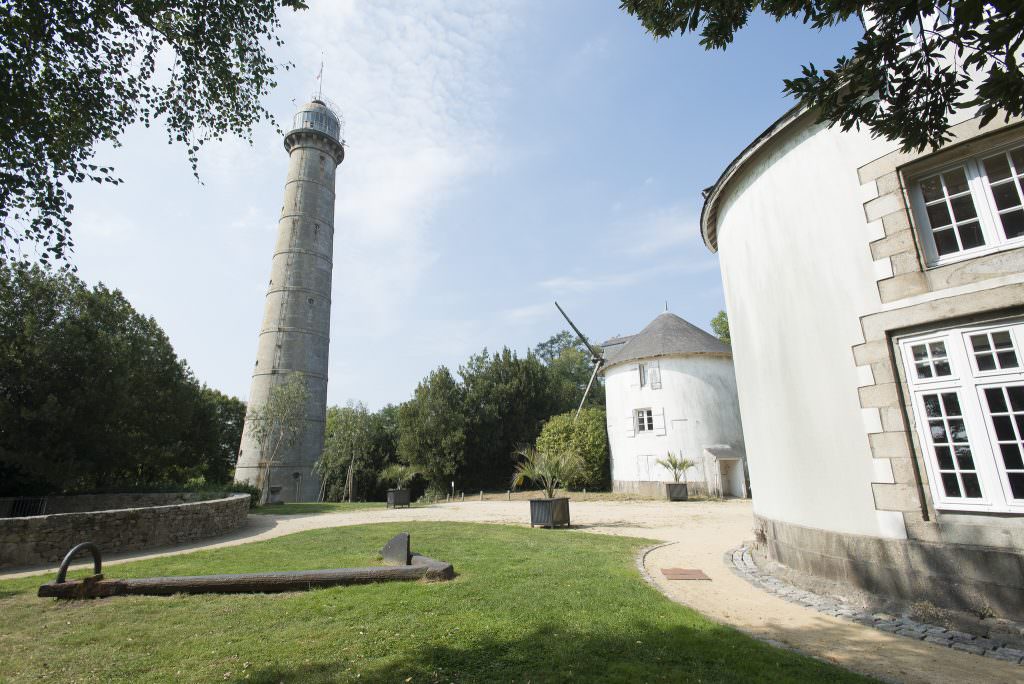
<point x="595" y="357"/>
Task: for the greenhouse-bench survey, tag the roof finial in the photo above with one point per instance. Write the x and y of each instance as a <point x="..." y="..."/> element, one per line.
<point x="666" y="306"/>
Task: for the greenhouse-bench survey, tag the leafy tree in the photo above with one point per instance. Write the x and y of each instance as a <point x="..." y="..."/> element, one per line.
<point x="345" y="441"/>
<point x="277" y="424"/>
<point x="720" y="326"/>
<point x="432" y="429"/>
<point x="221" y="421"/>
<point x="551" y="348"/>
<point x="77" y="73"/>
<point x="587" y="437"/>
<point x="92" y="395"/>
<point x="916" y="63"/>
<point x="507" y="399"/>
<point x="368" y="442"/>
<point x="570" y="367"/>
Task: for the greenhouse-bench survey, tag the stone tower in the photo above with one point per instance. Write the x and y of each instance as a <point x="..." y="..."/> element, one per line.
<point x="295" y="334"/>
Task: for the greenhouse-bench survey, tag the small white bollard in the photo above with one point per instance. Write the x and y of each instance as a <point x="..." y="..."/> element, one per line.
<point x="481" y="495"/>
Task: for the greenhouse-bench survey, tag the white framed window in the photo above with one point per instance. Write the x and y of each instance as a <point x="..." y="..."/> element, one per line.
<point x="930" y="360"/>
<point x="970" y="208"/>
<point x="644" y="420"/>
<point x="967" y="399"/>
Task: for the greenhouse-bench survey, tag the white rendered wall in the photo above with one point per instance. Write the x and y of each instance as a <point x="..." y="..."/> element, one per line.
<point x="797" y="271"/>
<point x="698" y="398"/>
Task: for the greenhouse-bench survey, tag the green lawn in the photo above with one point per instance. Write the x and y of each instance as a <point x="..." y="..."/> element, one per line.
<point x="527" y="605"/>
<point x="314" y="508"/>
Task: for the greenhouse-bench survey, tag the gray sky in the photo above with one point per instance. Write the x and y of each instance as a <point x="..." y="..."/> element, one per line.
<point x="501" y="155"/>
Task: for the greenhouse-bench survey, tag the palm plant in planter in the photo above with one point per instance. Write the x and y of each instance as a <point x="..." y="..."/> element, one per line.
<point x="401" y="475"/>
<point x="549" y="469"/>
<point x="677" y="491"/>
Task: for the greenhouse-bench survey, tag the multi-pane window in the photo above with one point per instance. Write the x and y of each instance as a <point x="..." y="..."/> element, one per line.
<point x="973" y="207"/>
<point x="1004" y="173"/>
<point x="994" y="350"/>
<point x="967" y="390"/>
<point x="644" y="420"/>
<point x="1005" y="408"/>
<point x="930" y="360"/>
<point x="952" y="216"/>
<point x="947" y="434"/>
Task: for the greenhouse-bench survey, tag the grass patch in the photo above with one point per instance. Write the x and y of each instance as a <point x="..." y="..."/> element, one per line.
<point x="528" y="605"/>
<point x="316" y="508"/>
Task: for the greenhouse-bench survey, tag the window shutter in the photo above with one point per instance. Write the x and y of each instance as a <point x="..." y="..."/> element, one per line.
<point x="654" y="374"/>
<point x="659" y="423"/>
<point x="631" y="425"/>
<point x="634" y="373"/>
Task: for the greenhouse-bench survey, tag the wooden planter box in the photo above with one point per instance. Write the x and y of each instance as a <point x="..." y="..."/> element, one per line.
<point x="398" y="497"/>
<point x="676" y="491"/>
<point x="549" y="512"/>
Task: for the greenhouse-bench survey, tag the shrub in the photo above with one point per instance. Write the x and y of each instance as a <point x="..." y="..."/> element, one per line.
<point x="587" y="437"/>
<point x="254" y="492"/>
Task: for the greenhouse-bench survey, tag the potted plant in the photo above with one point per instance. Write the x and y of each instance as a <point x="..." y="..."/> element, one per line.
<point x="676" y="491"/>
<point x="549" y="469"/>
<point x="401" y="475"/>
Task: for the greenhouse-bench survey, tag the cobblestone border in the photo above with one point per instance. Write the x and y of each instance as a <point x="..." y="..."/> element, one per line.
<point x="742" y="563"/>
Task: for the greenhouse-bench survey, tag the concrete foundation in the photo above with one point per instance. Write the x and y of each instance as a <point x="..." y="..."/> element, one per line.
<point x="968" y="577"/>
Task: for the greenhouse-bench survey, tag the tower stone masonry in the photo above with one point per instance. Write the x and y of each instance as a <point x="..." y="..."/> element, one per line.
<point x="295" y="334"/>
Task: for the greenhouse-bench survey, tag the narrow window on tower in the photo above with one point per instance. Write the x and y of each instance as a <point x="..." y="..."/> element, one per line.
<point x="310" y="300"/>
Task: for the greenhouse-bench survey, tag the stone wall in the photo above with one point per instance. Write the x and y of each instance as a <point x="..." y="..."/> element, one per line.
<point x="46" y="538"/>
<point x="972" y="578"/>
<point x="79" y="503"/>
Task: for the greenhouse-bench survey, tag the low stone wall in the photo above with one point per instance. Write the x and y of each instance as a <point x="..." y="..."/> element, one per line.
<point x="971" y="578"/>
<point x="80" y="503"/>
<point x="46" y="538"/>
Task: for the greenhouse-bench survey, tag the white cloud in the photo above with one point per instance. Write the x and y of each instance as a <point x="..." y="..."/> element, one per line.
<point x="411" y="81"/>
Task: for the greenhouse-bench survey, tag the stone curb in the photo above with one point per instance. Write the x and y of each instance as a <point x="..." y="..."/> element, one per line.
<point x="742" y="563"/>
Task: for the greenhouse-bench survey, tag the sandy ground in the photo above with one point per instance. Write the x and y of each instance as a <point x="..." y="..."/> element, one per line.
<point x="700" y="534"/>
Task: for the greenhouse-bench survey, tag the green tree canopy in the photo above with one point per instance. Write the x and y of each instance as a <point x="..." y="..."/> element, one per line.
<point x="432" y="429"/>
<point x="720" y="326"/>
<point x="366" y="441"/>
<point x="92" y="395"/>
<point x="76" y="73"/>
<point x="912" y="67"/>
<point x="570" y="367"/>
<point x="587" y="438"/>
<point x="507" y="399"/>
<point x="221" y="423"/>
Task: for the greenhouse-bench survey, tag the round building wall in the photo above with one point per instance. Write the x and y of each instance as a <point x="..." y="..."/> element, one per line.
<point x="826" y="283"/>
<point x="695" y="407"/>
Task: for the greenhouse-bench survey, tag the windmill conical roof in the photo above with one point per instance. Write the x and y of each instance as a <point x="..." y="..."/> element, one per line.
<point x="666" y="335"/>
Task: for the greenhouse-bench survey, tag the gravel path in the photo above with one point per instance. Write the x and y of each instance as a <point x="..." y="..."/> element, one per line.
<point x="698" y="535"/>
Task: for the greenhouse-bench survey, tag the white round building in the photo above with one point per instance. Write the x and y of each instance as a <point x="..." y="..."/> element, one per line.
<point x="671" y="388"/>
<point x="876" y="306"/>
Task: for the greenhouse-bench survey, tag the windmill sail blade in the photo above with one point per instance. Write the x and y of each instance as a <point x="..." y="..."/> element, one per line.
<point x="597" y="367"/>
<point x="583" y="338"/>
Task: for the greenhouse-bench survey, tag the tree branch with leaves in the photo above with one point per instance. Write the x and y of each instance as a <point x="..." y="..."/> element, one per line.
<point x="916" y="63"/>
<point x="277" y="425"/>
<point x="77" y="73"/>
